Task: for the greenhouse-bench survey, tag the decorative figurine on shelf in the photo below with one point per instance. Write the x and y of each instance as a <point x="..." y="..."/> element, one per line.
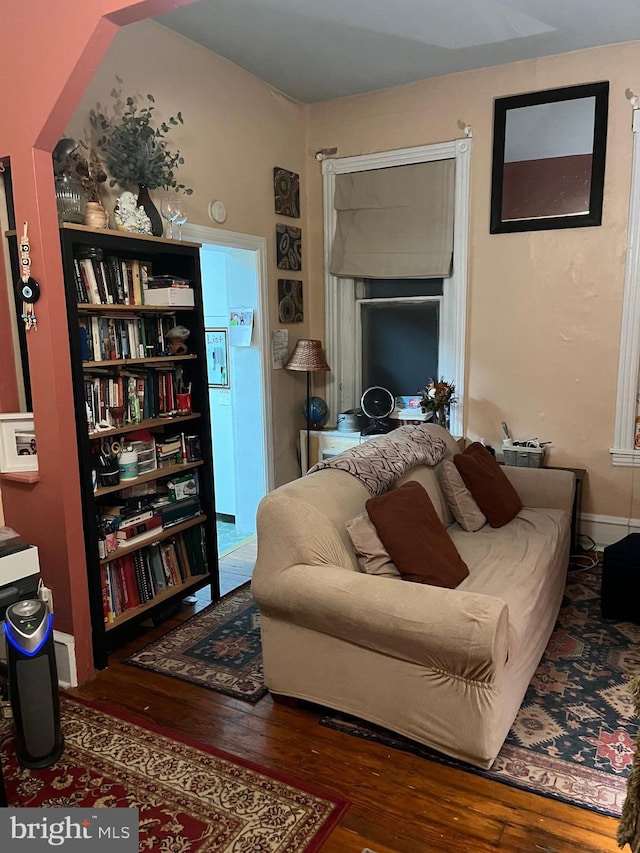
<point x="130" y="217"/>
<point x="134" y="414"/>
<point x="177" y="340"/>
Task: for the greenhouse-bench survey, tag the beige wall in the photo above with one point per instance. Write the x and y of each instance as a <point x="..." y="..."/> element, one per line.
<point x="236" y="129"/>
<point x="544" y="307"/>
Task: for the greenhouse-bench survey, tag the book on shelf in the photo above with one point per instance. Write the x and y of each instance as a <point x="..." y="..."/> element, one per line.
<point x="110" y="280"/>
<point x="155" y="282"/>
<point x="136" y="578"/>
<point x="157" y="567"/>
<point x="154" y="390"/>
<point x="112" y="338"/>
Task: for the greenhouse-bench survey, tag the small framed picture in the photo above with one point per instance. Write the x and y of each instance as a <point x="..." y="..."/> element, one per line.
<point x="217" y="345"/>
<point x="18" y="449"/>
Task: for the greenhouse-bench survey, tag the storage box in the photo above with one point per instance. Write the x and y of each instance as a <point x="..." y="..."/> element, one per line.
<point x="524" y="457"/>
<point x="18" y="559"/>
<point x="183" y="487"/>
<point x="146" y="455"/>
<point x="179" y="296"/>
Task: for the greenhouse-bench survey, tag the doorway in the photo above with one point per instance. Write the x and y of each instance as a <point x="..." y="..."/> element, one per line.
<point x="233" y="268"/>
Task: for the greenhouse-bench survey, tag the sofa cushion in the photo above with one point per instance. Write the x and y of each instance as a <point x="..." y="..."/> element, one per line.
<point x="488" y="484"/>
<point x="372" y="556"/>
<point x="415" y="538"/>
<point x="460" y="500"/>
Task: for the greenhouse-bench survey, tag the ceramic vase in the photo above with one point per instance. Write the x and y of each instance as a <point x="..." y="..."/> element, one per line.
<point x="144" y="201"/>
<point x="95" y="216"/>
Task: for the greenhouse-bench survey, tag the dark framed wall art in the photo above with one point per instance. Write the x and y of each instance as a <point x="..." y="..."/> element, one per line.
<point x="288" y="247"/>
<point x="549" y="159"/>
<point x="290" y="308"/>
<point x="286" y="192"/>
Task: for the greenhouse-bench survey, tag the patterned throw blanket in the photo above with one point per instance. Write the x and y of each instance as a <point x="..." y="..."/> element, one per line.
<point x="380" y="461"/>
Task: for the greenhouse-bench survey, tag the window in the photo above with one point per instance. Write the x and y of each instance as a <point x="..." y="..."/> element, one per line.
<point x="623" y="452"/>
<point x="399" y="331"/>
<point x="343" y="314"/>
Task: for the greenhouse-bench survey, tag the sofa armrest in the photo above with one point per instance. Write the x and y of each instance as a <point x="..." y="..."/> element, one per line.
<point x="551" y="488"/>
<point x="463" y="634"/>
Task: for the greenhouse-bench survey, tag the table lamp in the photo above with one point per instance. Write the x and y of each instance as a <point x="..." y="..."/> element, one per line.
<point x="308" y="357"/>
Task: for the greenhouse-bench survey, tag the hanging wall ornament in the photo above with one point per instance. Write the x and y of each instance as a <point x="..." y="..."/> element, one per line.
<point x="28" y="287"/>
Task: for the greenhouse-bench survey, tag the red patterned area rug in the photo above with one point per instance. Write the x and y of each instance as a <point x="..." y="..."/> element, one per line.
<point x="218" y="648"/>
<point x="191" y="797"/>
<point x="573" y="738"/>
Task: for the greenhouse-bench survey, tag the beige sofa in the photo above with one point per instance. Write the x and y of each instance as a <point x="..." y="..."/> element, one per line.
<point x="445" y="667"/>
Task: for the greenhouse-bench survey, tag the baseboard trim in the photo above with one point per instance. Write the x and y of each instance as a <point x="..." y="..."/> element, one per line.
<point x="607" y="529"/>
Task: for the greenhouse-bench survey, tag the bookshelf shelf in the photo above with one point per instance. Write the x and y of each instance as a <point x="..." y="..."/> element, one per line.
<point x="151" y="537"/>
<point x="167" y="471"/>
<point x="149" y="423"/>
<point x="147" y="387"/>
<point x="126" y="362"/>
<point x="167" y="594"/>
<point x="130" y="310"/>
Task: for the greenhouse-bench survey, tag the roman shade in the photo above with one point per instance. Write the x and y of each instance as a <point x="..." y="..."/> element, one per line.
<point x="395" y="223"/>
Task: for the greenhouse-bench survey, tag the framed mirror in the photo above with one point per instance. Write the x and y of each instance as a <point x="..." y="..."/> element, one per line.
<point x="548" y="159"/>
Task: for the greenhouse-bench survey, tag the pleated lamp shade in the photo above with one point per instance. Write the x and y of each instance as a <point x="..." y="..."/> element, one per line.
<point x="307" y="356"/>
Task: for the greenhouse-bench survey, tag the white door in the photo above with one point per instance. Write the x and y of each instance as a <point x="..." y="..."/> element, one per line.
<point x="234" y="275"/>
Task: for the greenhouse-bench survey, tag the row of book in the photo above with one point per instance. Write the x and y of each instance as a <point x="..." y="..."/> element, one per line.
<point x="136" y="578"/>
<point x="110" y="281"/>
<point x="110" y="338"/>
<point x="144" y="396"/>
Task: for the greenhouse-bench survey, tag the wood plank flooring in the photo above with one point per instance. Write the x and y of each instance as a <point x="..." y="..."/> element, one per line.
<point x="399" y="803"/>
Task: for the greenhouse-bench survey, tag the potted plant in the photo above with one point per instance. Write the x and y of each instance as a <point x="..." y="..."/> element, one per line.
<point x="136" y="151"/>
<point x="92" y="175"/>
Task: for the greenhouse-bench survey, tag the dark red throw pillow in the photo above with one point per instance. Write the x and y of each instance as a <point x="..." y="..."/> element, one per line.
<point x="414" y="536"/>
<point x="489" y="485"/>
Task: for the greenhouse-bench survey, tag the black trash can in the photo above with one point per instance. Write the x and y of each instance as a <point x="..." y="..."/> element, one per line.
<point x="620" y="597"/>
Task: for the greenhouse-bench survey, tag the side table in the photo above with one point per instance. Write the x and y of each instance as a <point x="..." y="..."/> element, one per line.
<point x="576" y="510"/>
<point x="324" y="443"/>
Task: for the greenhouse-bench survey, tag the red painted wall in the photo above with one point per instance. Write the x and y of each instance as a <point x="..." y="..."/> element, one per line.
<point x="49" y="54"/>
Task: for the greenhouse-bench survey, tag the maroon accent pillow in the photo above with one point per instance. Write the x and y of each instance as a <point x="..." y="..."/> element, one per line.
<point x="416" y="539"/>
<point x="490" y="487"/>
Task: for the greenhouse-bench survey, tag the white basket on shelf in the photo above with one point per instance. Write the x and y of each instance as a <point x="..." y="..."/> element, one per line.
<point x="524" y="457"/>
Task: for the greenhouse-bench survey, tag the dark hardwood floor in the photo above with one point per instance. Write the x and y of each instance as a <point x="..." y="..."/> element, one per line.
<point x="399" y="803"/>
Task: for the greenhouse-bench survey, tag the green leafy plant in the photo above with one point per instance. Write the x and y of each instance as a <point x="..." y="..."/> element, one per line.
<point x="134" y="150"/>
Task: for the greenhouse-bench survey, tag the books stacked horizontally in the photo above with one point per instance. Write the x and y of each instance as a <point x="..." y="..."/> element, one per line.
<point x="181" y="501"/>
<point x="168" y="290"/>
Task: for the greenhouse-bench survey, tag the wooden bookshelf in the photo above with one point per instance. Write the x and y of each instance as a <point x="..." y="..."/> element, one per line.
<point x="163" y="257"/>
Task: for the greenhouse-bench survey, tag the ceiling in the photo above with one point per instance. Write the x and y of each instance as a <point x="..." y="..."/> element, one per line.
<point x="315" y="50"/>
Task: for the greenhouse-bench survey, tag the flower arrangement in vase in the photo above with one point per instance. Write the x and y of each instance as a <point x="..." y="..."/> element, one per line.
<point x="136" y="151"/>
<point x="437" y="397"/>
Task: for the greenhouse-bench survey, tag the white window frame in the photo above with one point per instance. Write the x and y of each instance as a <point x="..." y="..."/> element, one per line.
<point x="391" y="300"/>
<point x="623" y="452"/>
<point x="340" y="294"/>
